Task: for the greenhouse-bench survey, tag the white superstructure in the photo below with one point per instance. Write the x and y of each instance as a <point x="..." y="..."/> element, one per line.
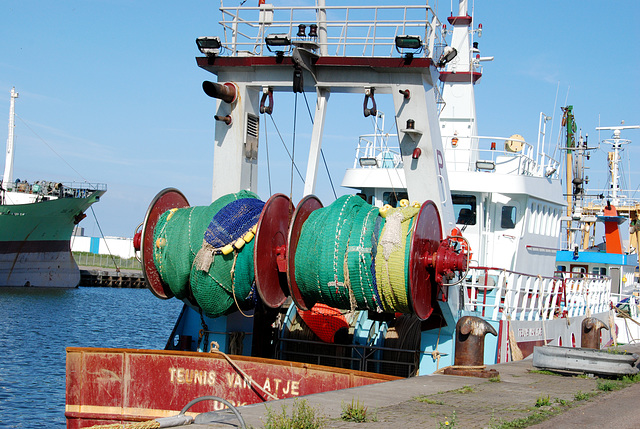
<point x="506" y="193"/>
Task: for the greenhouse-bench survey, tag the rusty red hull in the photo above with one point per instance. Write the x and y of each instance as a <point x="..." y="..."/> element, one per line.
<point x="121" y="385"/>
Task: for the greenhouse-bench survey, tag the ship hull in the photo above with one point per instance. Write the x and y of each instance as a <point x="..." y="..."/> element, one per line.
<point x="106" y="386"/>
<point x="35" y="247"/>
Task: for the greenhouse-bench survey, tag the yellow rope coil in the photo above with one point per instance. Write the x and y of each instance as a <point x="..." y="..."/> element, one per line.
<point x="390" y="260"/>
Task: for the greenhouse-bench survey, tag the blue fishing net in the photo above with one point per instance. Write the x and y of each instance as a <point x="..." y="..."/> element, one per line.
<point x="233" y="221"/>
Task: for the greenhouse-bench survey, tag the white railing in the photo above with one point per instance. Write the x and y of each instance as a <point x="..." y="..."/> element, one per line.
<point x="498" y="294"/>
<point x="350" y="30"/>
<point x="491" y="149"/>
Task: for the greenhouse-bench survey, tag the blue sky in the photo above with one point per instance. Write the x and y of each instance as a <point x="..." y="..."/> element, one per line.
<point x="112" y="86"/>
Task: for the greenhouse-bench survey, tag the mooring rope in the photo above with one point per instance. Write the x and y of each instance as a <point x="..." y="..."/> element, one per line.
<point x="151" y="424"/>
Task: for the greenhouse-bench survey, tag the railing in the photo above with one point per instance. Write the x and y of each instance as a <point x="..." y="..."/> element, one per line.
<point x="486" y="151"/>
<point x="525" y="162"/>
<point x="350" y="30"/>
<point x="498" y="294"/>
<point x="385" y="360"/>
<point x="56" y="189"/>
<point x="85" y="259"/>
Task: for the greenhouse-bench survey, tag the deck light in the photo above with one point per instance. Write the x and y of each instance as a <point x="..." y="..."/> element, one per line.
<point x="209" y="46"/>
<point x="277" y="40"/>
<point x="301" y="30"/>
<point x="448" y="54"/>
<point x="485" y="165"/>
<point x="408" y="42"/>
<point x="368" y="162"/>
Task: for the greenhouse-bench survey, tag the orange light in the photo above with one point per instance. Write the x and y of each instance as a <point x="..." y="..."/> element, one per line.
<point x="454" y="141"/>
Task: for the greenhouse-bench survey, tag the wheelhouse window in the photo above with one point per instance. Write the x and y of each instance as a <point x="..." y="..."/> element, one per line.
<point x="392" y="198"/>
<point x="464" y="208"/>
<point x="508" y="219"/>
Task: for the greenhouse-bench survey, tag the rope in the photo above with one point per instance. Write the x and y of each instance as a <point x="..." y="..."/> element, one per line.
<point x="392" y="261"/>
<point x="138" y="425"/>
<point x="215" y="348"/>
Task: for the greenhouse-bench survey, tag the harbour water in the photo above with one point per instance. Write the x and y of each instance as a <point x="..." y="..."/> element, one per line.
<point x="37" y="325"/>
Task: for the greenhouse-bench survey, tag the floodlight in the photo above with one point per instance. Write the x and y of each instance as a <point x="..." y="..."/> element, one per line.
<point x="485" y="165"/>
<point x="277" y="40"/>
<point x="368" y="162"/>
<point x="209" y="46"/>
<point x="448" y="54"/>
<point x="408" y="42"/>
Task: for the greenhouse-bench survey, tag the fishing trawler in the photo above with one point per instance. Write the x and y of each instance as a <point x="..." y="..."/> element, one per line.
<point x="36" y="223"/>
<point x="284" y="299"/>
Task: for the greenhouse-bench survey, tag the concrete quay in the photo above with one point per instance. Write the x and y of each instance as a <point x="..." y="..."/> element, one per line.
<point x="430" y="401"/>
<point x="110" y="277"/>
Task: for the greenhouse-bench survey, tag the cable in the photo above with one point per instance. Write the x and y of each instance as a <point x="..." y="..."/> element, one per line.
<point x="214" y="398"/>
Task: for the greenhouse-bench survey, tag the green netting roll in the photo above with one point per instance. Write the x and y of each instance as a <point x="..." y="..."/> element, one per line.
<point x="336" y="233"/>
<point x="178" y="236"/>
<point x="337" y="264"/>
<point x="307" y="254"/>
<point x="359" y="257"/>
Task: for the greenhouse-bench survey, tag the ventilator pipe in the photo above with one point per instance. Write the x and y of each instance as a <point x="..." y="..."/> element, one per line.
<point x="226" y="92"/>
<point x="590" y="338"/>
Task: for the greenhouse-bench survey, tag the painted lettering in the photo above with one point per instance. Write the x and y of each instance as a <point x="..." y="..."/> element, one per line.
<point x="529" y="332"/>
<point x="239" y="382"/>
<point x="236" y="381"/>
<point x="230" y="379"/>
<point x="440" y="160"/>
<point x="188" y="376"/>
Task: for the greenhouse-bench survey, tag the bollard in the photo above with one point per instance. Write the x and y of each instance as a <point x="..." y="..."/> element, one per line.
<point x="591" y="327"/>
<point x="469" y="355"/>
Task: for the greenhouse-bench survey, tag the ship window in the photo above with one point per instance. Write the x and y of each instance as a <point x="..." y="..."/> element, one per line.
<point x="603" y="271"/>
<point x="508" y="219"/>
<point x="532" y="217"/>
<point x="392" y="198"/>
<point x="464" y="208"/>
<point x="545" y="219"/>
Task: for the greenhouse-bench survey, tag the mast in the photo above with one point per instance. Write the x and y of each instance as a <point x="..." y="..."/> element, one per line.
<point x="568" y="121"/>
<point x="461" y="72"/>
<point x="614" y="157"/>
<point x="8" y="164"/>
